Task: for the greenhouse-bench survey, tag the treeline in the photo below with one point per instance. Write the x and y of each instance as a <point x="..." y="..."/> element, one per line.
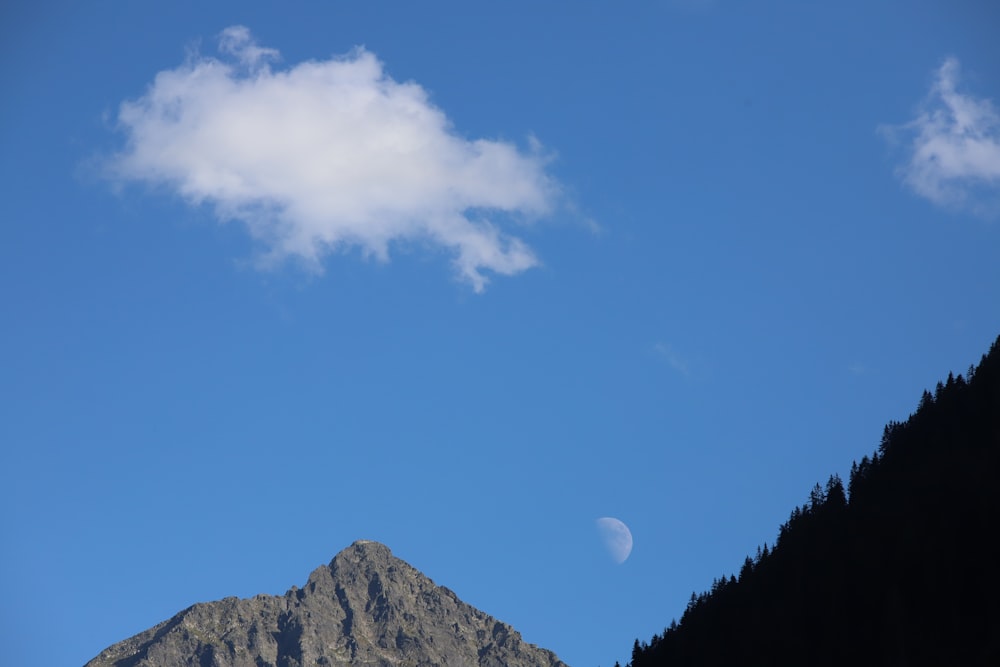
<point x="899" y="568"/>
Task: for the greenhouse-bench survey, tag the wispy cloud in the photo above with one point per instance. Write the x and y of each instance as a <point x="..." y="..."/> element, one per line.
<point x="857" y="368"/>
<point x="954" y="153"/>
<point x="666" y="352"/>
<point x="331" y="154"/>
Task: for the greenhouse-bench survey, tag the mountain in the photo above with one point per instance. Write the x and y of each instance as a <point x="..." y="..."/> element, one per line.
<point x="366" y="607"/>
<point x="899" y="568"/>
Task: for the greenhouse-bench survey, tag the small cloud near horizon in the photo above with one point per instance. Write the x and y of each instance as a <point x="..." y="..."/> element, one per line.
<point x="331" y="154"/>
<point x="954" y="155"/>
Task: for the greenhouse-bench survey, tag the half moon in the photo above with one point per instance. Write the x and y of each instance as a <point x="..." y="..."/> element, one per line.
<point x="617" y="538"/>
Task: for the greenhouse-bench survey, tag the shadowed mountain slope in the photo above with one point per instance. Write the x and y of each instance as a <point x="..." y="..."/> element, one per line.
<point x="366" y="607"/>
<point x="899" y="568"/>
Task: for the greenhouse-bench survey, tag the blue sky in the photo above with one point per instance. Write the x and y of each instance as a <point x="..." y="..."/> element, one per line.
<point x="462" y="279"/>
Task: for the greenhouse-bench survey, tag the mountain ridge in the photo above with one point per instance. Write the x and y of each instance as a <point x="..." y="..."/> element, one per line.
<point x="366" y="607"/>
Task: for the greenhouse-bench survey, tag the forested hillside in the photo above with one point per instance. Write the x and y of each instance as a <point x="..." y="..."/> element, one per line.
<point x="898" y="568"/>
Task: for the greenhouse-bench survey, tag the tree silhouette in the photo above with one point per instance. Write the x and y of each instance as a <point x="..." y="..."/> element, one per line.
<point x="899" y="569"/>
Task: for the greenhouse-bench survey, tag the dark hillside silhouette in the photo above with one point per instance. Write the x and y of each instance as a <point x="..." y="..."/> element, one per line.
<point x="900" y="568"/>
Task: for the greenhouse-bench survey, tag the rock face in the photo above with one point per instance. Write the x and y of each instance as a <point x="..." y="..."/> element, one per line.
<point x="366" y="607"/>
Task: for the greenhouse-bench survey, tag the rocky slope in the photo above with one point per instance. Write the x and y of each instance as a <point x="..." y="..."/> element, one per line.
<point x="366" y="607"/>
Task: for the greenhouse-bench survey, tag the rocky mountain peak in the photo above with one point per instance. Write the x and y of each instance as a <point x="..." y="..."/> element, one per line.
<point x="366" y="555"/>
<point x="366" y="607"/>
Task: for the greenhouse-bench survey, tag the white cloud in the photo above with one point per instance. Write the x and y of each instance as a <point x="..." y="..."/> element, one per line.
<point x="954" y="157"/>
<point x="237" y="41"/>
<point x="331" y="154"/>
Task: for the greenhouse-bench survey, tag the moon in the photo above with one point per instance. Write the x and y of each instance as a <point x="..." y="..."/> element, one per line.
<point x="617" y="538"/>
